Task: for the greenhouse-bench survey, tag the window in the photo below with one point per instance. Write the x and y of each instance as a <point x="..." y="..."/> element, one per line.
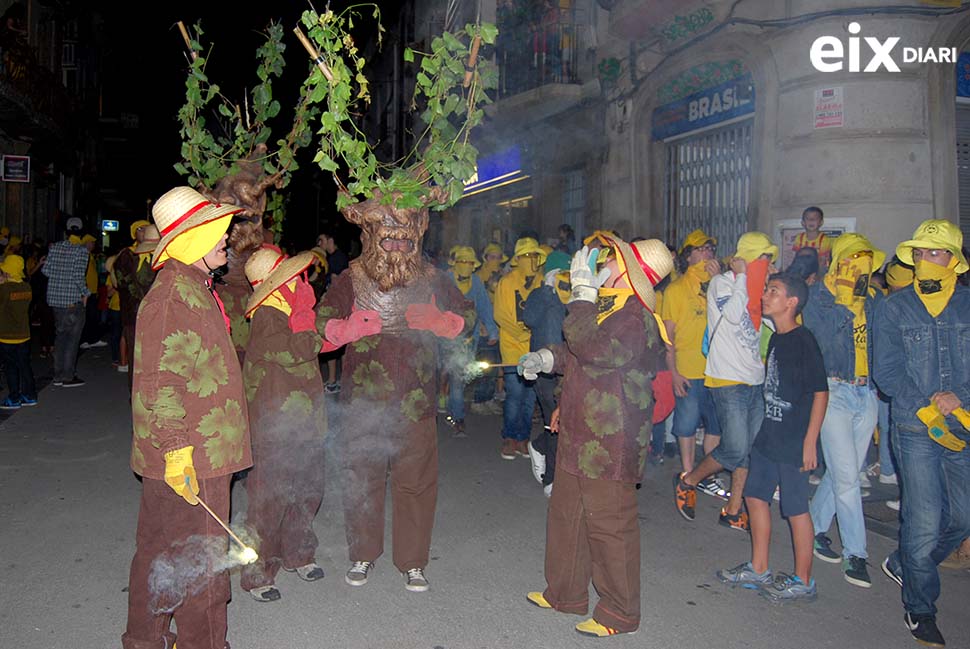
<point x="574" y="200"/>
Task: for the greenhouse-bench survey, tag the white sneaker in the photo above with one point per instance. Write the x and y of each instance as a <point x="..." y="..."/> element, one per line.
<point x="814" y="480"/>
<point x="123" y="369"/>
<point x="864" y="479"/>
<point x="893" y="505"/>
<point x="538" y="462"/>
<point x="357" y="575"/>
<point x="415" y="581"/>
<point x="547" y="490"/>
<point x="873" y="470"/>
<point x="888" y="479"/>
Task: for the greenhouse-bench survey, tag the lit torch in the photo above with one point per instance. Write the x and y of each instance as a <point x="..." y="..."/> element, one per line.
<point x="248" y="555"/>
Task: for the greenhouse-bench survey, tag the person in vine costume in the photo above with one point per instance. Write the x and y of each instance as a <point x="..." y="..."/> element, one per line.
<point x="190" y="430"/>
<point x="389" y="308"/>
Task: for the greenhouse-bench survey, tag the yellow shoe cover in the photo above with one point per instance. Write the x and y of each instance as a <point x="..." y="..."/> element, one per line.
<point x="594" y="628"/>
<point x="937" y="428"/>
<point x="537" y="599"/>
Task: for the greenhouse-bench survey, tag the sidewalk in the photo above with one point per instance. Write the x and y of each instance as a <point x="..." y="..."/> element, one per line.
<point x="68" y="505"/>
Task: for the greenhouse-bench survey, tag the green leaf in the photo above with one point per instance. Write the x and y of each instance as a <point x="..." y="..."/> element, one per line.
<point x="408" y="55"/>
<point x="489" y="33"/>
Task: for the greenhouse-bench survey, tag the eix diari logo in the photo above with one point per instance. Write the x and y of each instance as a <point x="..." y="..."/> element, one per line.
<point x="828" y="53"/>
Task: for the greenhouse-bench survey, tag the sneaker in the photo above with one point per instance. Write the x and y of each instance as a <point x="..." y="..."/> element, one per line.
<point x="744" y="575"/>
<point x="873" y="470"/>
<point x="27" y="401"/>
<point x="891" y="568"/>
<point x="309" y="572"/>
<point x="100" y="343"/>
<point x="508" y="449"/>
<point x="357" y="575"/>
<point x="854" y="571"/>
<point x="57" y="383"/>
<point x="123" y="369"/>
<point x="814" y="480"/>
<point x="265" y="594"/>
<point x="737" y="521"/>
<point x="685" y="497"/>
<point x="865" y="493"/>
<point x="655" y="459"/>
<point x="864" y="480"/>
<point x="777" y="495"/>
<point x="331" y="388"/>
<point x="415" y="581"/>
<point x="888" y="479"/>
<point x="522" y="448"/>
<point x="547" y="490"/>
<point x="789" y="588"/>
<point x="536" y="599"/>
<point x="893" y="505"/>
<point x="712" y="487"/>
<point x="593" y="628"/>
<point x="538" y="462"/>
<point x="73" y="383"/>
<point x="924" y="630"/>
<point x="823" y="549"/>
<point x="10" y="404"/>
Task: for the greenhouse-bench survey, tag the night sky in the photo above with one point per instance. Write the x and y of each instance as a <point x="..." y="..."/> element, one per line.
<point x="144" y="73"/>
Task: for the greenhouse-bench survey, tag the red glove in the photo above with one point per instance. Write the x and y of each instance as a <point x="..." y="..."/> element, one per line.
<point x="301" y="299"/>
<point x="343" y="332"/>
<point x="305" y="320"/>
<point x="428" y="317"/>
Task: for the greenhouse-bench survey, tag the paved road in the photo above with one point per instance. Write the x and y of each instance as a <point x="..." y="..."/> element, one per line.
<point x="68" y="504"/>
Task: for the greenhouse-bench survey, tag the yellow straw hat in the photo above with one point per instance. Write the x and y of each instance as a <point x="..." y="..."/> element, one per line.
<point x="268" y="269"/>
<point x="150" y="242"/>
<point x="935" y="234"/>
<point x="647" y="263"/>
<point x="178" y="211"/>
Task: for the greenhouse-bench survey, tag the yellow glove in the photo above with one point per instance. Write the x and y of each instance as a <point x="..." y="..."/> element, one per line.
<point x="180" y="474"/>
<point x="937" y="428"/>
<point x="963" y="417"/>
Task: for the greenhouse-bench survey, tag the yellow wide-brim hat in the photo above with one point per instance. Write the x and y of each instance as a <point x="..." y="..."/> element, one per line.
<point x="935" y="234"/>
<point x="151" y="240"/>
<point x="13" y="266"/>
<point x="141" y="223"/>
<point x="268" y="269"/>
<point x="463" y="254"/>
<point x="181" y="212"/>
<point x="752" y="245"/>
<point x="494" y="248"/>
<point x="525" y="246"/>
<point x="647" y="263"/>
<point x="851" y="243"/>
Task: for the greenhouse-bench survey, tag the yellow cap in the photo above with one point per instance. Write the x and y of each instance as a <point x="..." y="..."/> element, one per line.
<point x="752" y="245"/>
<point x="851" y="243"/>
<point x="696" y="239"/>
<point x="494" y="248"/>
<point x="935" y="234"/>
<point x="13" y="266"/>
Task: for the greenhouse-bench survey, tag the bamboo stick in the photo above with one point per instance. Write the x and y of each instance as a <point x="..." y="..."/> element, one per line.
<point x="314" y="54"/>
<point x="472" y="59"/>
<point x="188" y="41"/>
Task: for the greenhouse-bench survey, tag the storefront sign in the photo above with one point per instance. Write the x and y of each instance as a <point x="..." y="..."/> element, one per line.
<point x="16" y="168"/>
<point x="109" y="226"/>
<point x="829" y="107"/>
<point x="496" y="170"/>
<point x="707" y="107"/>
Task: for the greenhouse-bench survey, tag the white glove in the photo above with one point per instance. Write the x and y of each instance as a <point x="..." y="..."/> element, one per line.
<point x="585" y="285"/>
<point x="551" y="277"/>
<point x="534" y="363"/>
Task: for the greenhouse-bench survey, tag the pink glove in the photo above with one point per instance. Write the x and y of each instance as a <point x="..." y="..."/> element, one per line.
<point x="343" y="332"/>
<point x="305" y="320"/>
<point x="301" y="299"/>
<point x="428" y="317"/>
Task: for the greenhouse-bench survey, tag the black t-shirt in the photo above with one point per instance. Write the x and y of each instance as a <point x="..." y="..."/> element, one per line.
<point x="794" y="372"/>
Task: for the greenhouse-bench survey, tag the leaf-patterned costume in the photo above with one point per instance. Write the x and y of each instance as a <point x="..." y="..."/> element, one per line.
<point x="606" y="411"/>
<point x="188" y="387"/>
<point x="387" y="414"/>
<point x="289" y="421"/>
<point x="135" y="277"/>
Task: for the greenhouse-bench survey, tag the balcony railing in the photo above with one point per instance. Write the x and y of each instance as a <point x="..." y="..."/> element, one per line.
<point x="533" y="55"/>
<point x="31" y="85"/>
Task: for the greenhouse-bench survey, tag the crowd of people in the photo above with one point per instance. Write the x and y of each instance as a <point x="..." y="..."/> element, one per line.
<point x="626" y="353"/>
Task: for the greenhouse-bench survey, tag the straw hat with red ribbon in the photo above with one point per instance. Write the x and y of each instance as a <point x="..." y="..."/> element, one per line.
<point x="268" y="269"/>
<point x="647" y="263"/>
<point x="150" y="242"/>
<point x="181" y="210"/>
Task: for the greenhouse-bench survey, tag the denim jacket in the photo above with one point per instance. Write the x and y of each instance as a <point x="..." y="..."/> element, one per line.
<point x="483" y="309"/>
<point x="918" y="355"/>
<point x="831" y="324"/>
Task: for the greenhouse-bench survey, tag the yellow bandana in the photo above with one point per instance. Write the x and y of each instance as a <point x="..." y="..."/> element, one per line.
<point x="464" y="283"/>
<point x="195" y="243"/>
<point x="609" y="301"/>
<point x="698" y="278"/>
<point x="935" y="284"/>
<point x="275" y="300"/>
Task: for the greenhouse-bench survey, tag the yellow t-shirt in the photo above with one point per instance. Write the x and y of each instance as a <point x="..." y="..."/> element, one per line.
<point x="860" y="333"/>
<point x="510" y="296"/>
<point x="822" y="243"/>
<point x="687" y="309"/>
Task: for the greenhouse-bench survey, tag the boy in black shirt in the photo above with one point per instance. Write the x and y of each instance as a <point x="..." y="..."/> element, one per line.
<point x="784" y="452"/>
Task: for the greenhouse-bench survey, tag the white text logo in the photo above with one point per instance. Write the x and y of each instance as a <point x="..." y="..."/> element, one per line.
<point x="828" y="53"/>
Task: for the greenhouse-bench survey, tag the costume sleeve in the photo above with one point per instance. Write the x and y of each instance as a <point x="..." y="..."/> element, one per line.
<point x="449" y="298"/>
<point x="270" y="332"/>
<point x="889" y="356"/>
<point x="483" y="307"/>
<point x="616" y="343"/>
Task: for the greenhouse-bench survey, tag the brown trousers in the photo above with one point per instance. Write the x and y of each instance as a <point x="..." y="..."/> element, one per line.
<point x="196" y="590"/>
<point x="284" y="496"/>
<point x="592" y="531"/>
<point x="412" y="457"/>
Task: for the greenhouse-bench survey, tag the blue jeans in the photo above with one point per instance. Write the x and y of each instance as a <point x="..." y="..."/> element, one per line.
<point x="935" y="513"/>
<point x="887" y="464"/>
<point x="520" y="402"/>
<point x="846" y="432"/>
<point x="690" y="410"/>
<point x="456" y="396"/>
<point x="740" y="410"/>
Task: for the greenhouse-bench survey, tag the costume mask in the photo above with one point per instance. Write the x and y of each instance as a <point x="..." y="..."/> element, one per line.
<point x="391" y="240"/>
